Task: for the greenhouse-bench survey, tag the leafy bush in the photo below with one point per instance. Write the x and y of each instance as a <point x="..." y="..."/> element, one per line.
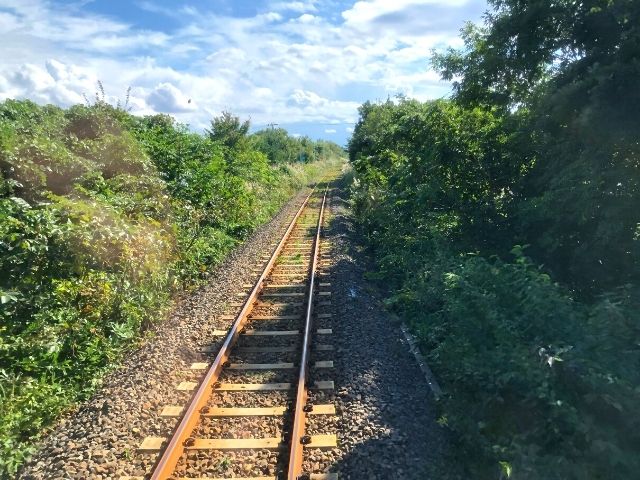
<point x="540" y="382"/>
<point x="533" y="379"/>
<point x="537" y="147"/>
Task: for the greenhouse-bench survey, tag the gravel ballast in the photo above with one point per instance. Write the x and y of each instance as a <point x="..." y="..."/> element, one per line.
<point x="385" y="420"/>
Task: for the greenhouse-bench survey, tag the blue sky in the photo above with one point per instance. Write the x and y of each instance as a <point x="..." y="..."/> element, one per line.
<point x="306" y="65"/>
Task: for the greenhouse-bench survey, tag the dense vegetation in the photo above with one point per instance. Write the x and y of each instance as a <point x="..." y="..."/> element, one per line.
<point x="506" y="223"/>
<point x="280" y="147"/>
<point x="103" y="216"/>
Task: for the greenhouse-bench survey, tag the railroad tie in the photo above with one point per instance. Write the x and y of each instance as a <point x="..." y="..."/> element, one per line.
<point x="262" y="366"/>
<point x="176" y="411"/>
<point x="155" y="444"/>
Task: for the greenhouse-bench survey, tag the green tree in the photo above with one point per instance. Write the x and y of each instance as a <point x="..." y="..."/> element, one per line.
<point x="276" y="144"/>
<point x="228" y="130"/>
<point x="568" y="69"/>
<point x="538" y="148"/>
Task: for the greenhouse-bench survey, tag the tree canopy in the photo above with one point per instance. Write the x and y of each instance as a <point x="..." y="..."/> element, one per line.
<point x="504" y="222"/>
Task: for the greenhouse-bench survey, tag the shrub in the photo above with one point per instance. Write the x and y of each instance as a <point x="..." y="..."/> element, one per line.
<point x="540" y="382"/>
<point x="533" y="379"/>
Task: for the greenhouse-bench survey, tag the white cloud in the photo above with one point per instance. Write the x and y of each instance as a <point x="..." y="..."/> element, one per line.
<point x="114" y="42"/>
<point x="165" y="97"/>
<point x="302" y="98"/>
<point x="307" y="18"/>
<point x="366" y="11"/>
<point x="329" y="130"/>
<point x="56" y="83"/>
<point x="8" y="22"/>
<point x="305" y="105"/>
<point x="270" y="17"/>
<point x="294" y="6"/>
<point x="291" y="62"/>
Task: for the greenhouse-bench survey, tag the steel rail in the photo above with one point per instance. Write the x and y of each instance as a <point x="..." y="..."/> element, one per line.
<point x="298" y="438"/>
<point x="166" y="464"/>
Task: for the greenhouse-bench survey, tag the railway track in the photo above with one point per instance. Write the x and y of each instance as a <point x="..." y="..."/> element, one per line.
<point x="263" y="405"/>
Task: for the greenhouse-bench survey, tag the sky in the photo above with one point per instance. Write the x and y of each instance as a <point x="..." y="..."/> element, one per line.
<point x="305" y="65"/>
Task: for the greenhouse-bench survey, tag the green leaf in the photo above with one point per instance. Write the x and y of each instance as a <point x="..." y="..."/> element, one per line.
<point x="506" y="468"/>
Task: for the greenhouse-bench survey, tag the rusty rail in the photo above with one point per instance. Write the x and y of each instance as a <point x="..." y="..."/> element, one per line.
<point x="298" y="437"/>
<point x="171" y="454"/>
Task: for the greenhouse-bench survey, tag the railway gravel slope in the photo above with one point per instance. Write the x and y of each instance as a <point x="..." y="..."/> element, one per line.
<point x="386" y="424"/>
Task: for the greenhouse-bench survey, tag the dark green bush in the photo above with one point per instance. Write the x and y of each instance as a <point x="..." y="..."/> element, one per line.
<point x="539" y="383"/>
<point x="532" y="378"/>
<point x="280" y="148"/>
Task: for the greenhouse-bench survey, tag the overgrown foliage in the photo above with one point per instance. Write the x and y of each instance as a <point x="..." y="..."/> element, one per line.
<point x="103" y="216"/>
<point x="281" y="148"/>
<point x="569" y="69"/>
<point x="504" y="223"/>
